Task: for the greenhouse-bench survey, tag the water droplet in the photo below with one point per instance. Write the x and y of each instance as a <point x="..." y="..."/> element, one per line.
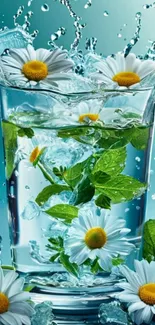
<point x="106" y="13"/>
<point x="119" y="35"/>
<point x="4" y="184"/>
<point x="16" y="173"/>
<point x="88" y="4"/>
<point x="138" y="159"/>
<point x="27" y="187"/>
<point x="125" y="25"/>
<point x="45" y="7"/>
<point x="153" y="196"/>
<point x="137" y="207"/>
<point x="127" y="210"/>
<point x="147" y="6"/>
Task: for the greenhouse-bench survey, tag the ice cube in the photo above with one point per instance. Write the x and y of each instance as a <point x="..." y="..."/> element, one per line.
<point x="30" y="211"/>
<point x="14" y="38"/>
<point x="43" y="314"/>
<point x="112" y="314"/>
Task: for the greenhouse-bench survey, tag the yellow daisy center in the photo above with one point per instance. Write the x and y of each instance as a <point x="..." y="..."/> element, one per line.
<point x="95" y="237"/>
<point x="4" y="303"/>
<point x="34" y="154"/>
<point x="147" y="293"/>
<point x="35" y="70"/>
<point x="91" y="116"/>
<point x="126" y="78"/>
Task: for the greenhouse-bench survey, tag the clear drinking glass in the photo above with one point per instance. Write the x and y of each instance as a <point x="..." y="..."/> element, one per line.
<point x="44" y="137"/>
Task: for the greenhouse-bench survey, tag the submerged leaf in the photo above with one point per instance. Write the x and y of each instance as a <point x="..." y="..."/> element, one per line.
<point x="112" y="161"/>
<point x="48" y="191"/>
<point x="64" y="212"/>
<point x="70" y="267"/>
<point x="10" y="140"/>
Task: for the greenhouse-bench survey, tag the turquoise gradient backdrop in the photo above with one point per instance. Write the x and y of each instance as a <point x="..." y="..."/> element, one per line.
<point x="105" y="28"/>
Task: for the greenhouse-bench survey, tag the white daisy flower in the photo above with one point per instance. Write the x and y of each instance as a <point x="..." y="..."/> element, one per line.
<point x="83" y="113"/>
<point x="139" y="292"/>
<point x="96" y="234"/>
<point x="27" y="67"/>
<point x="14" y="309"/>
<point x="122" y="71"/>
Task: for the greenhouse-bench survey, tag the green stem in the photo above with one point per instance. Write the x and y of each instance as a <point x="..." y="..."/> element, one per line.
<point x="46" y="175"/>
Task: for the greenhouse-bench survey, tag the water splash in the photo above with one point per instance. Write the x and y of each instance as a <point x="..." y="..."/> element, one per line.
<point x="151" y="51"/>
<point x="91" y="44"/>
<point x="45" y="7"/>
<point x="88" y="4"/>
<point x="27" y="23"/>
<point x="106" y="13"/>
<point x="148" y="6"/>
<point x="55" y="36"/>
<point x="136" y="37"/>
<point x="29" y="3"/>
<point x="77" y="25"/>
<point x="17" y="15"/>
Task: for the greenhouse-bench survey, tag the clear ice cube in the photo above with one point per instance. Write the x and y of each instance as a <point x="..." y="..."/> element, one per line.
<point x="43" y="314"/>
<point x="112" y="314"/>
<point x="13" y="38"/>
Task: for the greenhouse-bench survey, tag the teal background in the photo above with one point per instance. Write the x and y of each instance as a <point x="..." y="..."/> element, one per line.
<point x="104" y="28"/>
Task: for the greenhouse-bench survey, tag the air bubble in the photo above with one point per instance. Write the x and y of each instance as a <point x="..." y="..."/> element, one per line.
<point x="127" y="210"/>
<point x="106" y="14"/>
<point x="45" y="7"/>
<point x="138" y="159"/>
<point x="119" y="35"/>
<point x="153" y="196"/>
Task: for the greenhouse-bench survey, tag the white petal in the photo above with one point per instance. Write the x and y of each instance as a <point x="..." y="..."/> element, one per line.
<point x="120" y="61"/>
<point x="103" y="67"/>
<point x="16" y="287"/>
<point x="1" y="278"/>
<point x="129" y="62"/>
<point x="42" y="54"/>
<point x="31" y="52"/>
<point x="11" y="318"/>
<point x="9" y="278"/>
<point x="136" y="306"/>
<point x="20" y="297"/>
<point x="22" y="308"/>
<point x="25" y="320"/>
<point x="147" y="314"/>
<point x="129" y="298"/>
<point x="145" y="68"/>
<point x="113" y="65"/>
<point x="17" y="55"/>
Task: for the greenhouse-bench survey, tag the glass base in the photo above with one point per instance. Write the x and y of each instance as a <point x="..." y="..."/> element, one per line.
<point x="72" y="296"/>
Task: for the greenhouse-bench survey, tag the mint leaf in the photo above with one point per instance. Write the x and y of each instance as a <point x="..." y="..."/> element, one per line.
<point x="95" y="267"/>
<point x="64" y="212"/>
<point x="74" y="175"/>
<point x="103" y="202"/>
<point x="149" y="241"/>
<point x="70" y="267"/>
<point x="48" y="191"/>
<point x="112" y="162"/>
<point x="10" y="141"/>
<point x="117" y="261"/>
<point x="54" y="257"/>
<point x="99" y="177"/>
<point x="84" y="191"/>
<point x="121" y="188"/>
<point x="140" y="138"/>
<point x="22" y="132"/>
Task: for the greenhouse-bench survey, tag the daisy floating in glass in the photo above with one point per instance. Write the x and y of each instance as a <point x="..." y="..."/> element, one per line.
<point x="14" y="308"/>
<point x="30" y="67"/>
<point x="123" y="72"/>
<point x="139" y="291"/>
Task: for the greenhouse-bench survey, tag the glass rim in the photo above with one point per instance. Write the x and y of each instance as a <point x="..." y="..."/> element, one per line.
<point x="101" y="92"/>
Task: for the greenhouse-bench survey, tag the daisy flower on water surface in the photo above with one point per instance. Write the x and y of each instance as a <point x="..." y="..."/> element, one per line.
<point x="139" y="292"/>
<point x="84" y="112"/>
<point x="95" y="234"/>
<point x="14" y="310"/>
<point x="30" y="67"/>
<point x="122" y="71"/>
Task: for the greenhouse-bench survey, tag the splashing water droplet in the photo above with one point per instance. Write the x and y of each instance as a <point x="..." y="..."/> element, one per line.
<point x="135" y="38"/>
<point x="88" y="4"/>
<point x="153" y="196"/>
<point x="147" y="6"/>
<point x="106" y="14"/>
<point x="29" y="3"/>
<point x="54" y="37"/>
<point x="45" y="7"/>
<point x="119" y="35"/>
<point x="138" y="159"/>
